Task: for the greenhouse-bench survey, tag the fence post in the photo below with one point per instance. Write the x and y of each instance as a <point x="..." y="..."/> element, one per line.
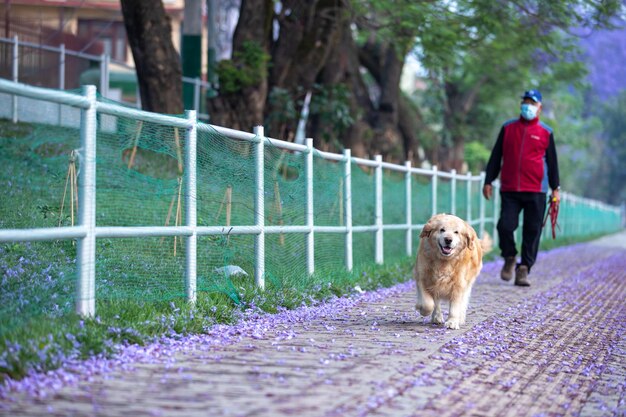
<point x="104" y="75"/>
<point x="86" y="248"/>
<point x="482" y="207"/>
<point x="310" y="238"/>
<point x="409" y="208"/>
<point x="61" y="77"/>
<point x="62" y="67"/>
<point x="15" y="71"/>
<point x="453" y="192"/>
<point x="469" y="198"/>
<point x="108" y="76"/>
<point x="347" y="184"/>
<point x="191" y="213"/>
<point x="379" y="209"/>
<point x="259" y="208"/>
<point x="196" y="94"/>
<point x="433" y="191"/>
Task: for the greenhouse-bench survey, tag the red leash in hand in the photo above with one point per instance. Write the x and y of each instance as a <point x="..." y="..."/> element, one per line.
<point x="553" y="212"/>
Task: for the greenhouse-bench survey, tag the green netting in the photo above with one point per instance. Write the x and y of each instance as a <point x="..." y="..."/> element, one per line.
<point x="139" y="268"/>
<point x="141" y="182"/>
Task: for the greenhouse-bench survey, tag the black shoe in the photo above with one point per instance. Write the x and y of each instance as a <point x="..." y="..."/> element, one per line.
<point x="508" y="269"/>
<point x="521" y="276"/>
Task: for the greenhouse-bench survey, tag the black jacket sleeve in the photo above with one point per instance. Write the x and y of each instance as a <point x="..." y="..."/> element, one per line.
<point x="553" y="165"/>
<point x="495" y="160"/>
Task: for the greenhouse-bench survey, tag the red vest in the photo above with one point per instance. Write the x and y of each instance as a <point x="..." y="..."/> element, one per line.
<point x="524" y="146"/>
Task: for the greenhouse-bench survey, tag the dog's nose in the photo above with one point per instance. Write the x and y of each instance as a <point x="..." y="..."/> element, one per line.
<point x="447" y="240"/>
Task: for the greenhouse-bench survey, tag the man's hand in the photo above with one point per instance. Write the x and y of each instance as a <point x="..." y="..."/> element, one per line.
<point x="488" y="191"/>
<point x="555" y="197"/>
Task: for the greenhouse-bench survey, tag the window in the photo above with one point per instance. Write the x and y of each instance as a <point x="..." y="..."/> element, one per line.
<point x="111" y="34"/>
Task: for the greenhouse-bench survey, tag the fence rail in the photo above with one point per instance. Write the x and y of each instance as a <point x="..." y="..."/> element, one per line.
<point x="86" y="232"/>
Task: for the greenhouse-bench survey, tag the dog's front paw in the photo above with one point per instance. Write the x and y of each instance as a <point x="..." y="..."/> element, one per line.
<point x="453" y="324"/>
<point x="424" y="310"/>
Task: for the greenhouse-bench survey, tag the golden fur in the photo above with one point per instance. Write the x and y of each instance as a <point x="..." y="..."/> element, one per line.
<point x="449" y="259"/>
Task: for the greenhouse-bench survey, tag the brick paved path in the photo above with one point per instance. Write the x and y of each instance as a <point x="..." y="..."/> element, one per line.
<point x="556" y="348"/>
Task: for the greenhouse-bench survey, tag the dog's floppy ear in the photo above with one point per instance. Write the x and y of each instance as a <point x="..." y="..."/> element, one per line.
<point x="470" y="236"/>
<point x="428" y="228"/>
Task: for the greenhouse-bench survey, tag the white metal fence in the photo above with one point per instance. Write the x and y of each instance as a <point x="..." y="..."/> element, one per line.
<point x="86" y="232"/>
<point x="104" y="64"/>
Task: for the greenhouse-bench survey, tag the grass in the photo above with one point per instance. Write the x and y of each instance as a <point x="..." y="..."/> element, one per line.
<point x="548" y="244"/>
<point x="40" y="345"/>
<point x="140" y="291"/>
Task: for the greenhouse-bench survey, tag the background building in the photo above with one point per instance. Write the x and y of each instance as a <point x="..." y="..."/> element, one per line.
<point x="93" y="27"/>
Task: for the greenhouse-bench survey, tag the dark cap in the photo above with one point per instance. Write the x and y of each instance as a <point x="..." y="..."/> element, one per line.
<point x="534" y="95"/>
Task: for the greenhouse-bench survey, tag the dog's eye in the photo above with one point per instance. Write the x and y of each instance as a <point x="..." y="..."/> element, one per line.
<point x="456" y="232"/>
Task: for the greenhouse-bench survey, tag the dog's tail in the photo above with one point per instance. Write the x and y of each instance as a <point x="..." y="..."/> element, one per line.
<point x="486" y="242"/>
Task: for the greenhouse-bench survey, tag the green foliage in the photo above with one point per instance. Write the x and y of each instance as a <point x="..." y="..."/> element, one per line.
<point x="608" y="180"/>
<point x="331" y="105"/>
<point x="283" y="106"/>
<point x="476" y="155"/>
<point x="480" y="55"/>
<point x="247" y="68"/>
<point x="574" y="133"/>
<point x="391" y="22"/>
<point x="283" y="112"/>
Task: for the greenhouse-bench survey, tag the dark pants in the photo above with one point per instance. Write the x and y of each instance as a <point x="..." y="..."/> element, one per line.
<point x="534" y="207"/>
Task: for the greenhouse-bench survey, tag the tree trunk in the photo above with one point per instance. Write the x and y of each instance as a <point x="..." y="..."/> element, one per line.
<point x="453" y="120"/>
<point x="395" y="137"/>
<point x="307" y="34"/>
<point x="458" y="105"/>
<point x="412" y="128"/>
<point x="385" y="121"/>
<point x="451" y="154"/>
<point x="343" y="67"/>
<point x="244" y="109"/>
<point x="159" y="72"/>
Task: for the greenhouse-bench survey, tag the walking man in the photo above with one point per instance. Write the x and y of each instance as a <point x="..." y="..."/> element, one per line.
<point x="525" y="157"/>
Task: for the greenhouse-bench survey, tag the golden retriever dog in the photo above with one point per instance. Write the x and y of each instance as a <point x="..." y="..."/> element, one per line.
<point x="449" y="258"/>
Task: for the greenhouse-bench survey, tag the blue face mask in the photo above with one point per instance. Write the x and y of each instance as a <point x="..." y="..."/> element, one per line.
<point x="529" y="111"/>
